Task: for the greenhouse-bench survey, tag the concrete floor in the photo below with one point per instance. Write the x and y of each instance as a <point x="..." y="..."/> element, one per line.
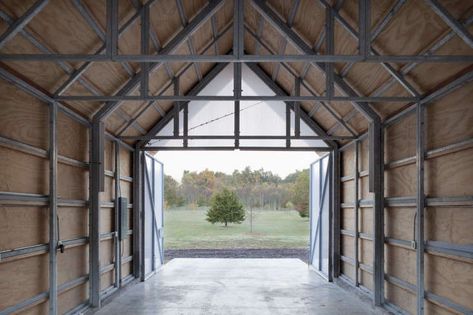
<point x="236" y="286"/>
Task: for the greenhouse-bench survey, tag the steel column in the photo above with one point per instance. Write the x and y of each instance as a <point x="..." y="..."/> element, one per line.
<point x="117" y="240"/>
<point x="356" y="209"/>
<point x="96" y="173"/>
<point x="336" y="212"/>
<point x="297" y="108"/>
<point x="53" y="219"/>
<point x="177" y="106"/>
<point x="145" y="27"/>
<point x="137" y="210"/>
<point x="237" y="93"/>
<point x="420" y="204"/>
<point x="376" y="145"/>
<point x="364" y="40"/>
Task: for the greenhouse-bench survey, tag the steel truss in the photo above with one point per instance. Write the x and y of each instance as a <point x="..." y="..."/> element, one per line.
<point x="108" y="52"/>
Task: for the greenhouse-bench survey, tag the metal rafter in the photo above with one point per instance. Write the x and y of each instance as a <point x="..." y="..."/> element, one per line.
<point x="173" y="45"/>
<point x="164" y="88"/>
<point x="406" y="69"/>
<point x="300" y="44"/>
<point x="19" y="24"/>
<point x="456" y="26"/>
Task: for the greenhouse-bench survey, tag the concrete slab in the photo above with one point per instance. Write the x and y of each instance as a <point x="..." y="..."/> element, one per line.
<point x="236" y="286"/>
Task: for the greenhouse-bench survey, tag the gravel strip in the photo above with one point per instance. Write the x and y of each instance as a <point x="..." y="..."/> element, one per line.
<point x="237" y="253"/>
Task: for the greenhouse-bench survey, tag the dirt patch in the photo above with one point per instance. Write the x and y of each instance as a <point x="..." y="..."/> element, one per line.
<point x="302" y="254"/>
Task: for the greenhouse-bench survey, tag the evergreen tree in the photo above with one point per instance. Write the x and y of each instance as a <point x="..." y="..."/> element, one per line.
<point x="225" y="207"/>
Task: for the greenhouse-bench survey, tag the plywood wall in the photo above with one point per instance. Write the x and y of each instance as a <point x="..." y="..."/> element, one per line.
<point x="449" y="121"/>
<point x="24" y="168"/>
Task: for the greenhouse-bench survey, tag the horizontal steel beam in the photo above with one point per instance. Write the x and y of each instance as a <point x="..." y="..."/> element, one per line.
<point x="232" y="137"/>
<point x="190" y="98"/>
<point x="245" y="58"/>
<point x="241" y="148"/>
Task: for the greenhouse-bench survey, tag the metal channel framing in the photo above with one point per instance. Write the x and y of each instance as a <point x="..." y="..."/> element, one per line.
<point x="96" y="175"/>
<point x="53" y="204"/>
<point x="117" y="240"/>
<point x="357" y="210"/>
<point x="420" y="156"/>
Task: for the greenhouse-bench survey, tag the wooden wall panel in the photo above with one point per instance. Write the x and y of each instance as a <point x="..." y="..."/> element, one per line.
<point x="348" y="219"/>
<point x="72" y="182"/>
<point x="23" y="279"/>
<point x="366" y="220"/>
<point x="73" y="222"/>
<point x="366" y="252"/>
<point x="107" y="221"/>
<point x="400" y="263"/>
<point x="400" y="297"/>
<point x="449" y="278"/>
<point x="450" y="175"/>
<point x="24" y="173"/>
<point x="22" y="226"/>
<point x="348" y="156"/>
<point x="22" y="117"/>
<point x="348" y="191"/>
<point x="366" y="279"/>
<point x="347" y="247"/>
<point x="106" y="252"/>
<point x="399" y="223"/>
<point x="452" y="225"/>
<point x="400" y="181"/>
<point x="71" y="298"/>
<point x="348" y="270"/>
<point x="73" y="140"/>
<point x="106" y="279"/>
<point x="400" y="139"/>
<point x="72" y="264"/>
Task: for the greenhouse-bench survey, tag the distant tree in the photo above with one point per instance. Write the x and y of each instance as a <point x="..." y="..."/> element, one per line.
<point x="172" y="194"/>
<point x="225" y="207"/>
<point x="300" y="193"/>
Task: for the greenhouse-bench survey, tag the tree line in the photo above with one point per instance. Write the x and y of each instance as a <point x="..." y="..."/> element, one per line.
<point x="255" y="188"/>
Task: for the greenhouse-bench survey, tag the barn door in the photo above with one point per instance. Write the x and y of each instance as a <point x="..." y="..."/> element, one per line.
<point x="320" y="215"/>
<point x="153" y="221"/>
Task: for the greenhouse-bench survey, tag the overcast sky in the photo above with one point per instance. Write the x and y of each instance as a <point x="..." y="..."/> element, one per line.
<point x="281" y="163"/>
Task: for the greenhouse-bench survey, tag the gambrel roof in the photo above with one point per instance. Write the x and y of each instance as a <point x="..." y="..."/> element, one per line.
<point x="394" y="68"/>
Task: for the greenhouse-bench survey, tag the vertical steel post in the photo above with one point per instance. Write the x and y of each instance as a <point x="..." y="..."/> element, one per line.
<point x="288" y="125"/>
<point x="330" y="48"/>
<point x="297" y="108"/>
<point x="111" y="39"/>
<point x="177" y="106"/>
<point x="237" y="93"/>
<point x="143" y="175"/>
<point x="137" y="210"/>
<point x="117" y="262"/>
<point x="145" y="50"/>
<point x="53" y="228"/>
<point x="357" y="211"/>
<point x="330" y="218"/>
<point x="96" y="173"/>
<point x="336" y="212"/>
<point x="420" y="155"/>
<point x="364" y="26"/>
<point x="238" y="28"/>
<point x="186" y="124"/>
<point x="376" y="144"/>
<point x="321" y="206"/>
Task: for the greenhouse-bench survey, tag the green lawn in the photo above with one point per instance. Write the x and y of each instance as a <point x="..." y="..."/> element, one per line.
<point x="187" y="229"/>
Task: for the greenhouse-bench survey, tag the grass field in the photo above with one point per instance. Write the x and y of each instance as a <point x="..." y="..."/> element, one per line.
<point x="188" y="229"/>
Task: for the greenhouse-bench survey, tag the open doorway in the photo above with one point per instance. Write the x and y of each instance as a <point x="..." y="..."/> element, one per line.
<point x="272" y="189"/>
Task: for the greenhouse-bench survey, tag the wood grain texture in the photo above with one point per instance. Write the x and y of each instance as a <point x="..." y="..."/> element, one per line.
<point x="72" y="298"/>
<point x="21" y="172"/>
<point x="348" y="219"/>
<point x="400" y="139"/>
<point x="399" y="223"/>
<point x="400" y="297"/>
<point x="73" y="139"/>
<point x="23" y="279"/>
<point x="23" y="226"/>
<point x="450" y="175"/>
<point x="400" y="182"/>
<point x="73" y="222"/>
<point x="449" y="278"/>
<point x="400" y="263"/>
<point x="366" y="220"/>
<point x="72" y="182"/>
<point x="451" y="225"/>
<point x="23" y="117"/>
<point x="450" y="119"/>
<point x="72" y="264"/>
